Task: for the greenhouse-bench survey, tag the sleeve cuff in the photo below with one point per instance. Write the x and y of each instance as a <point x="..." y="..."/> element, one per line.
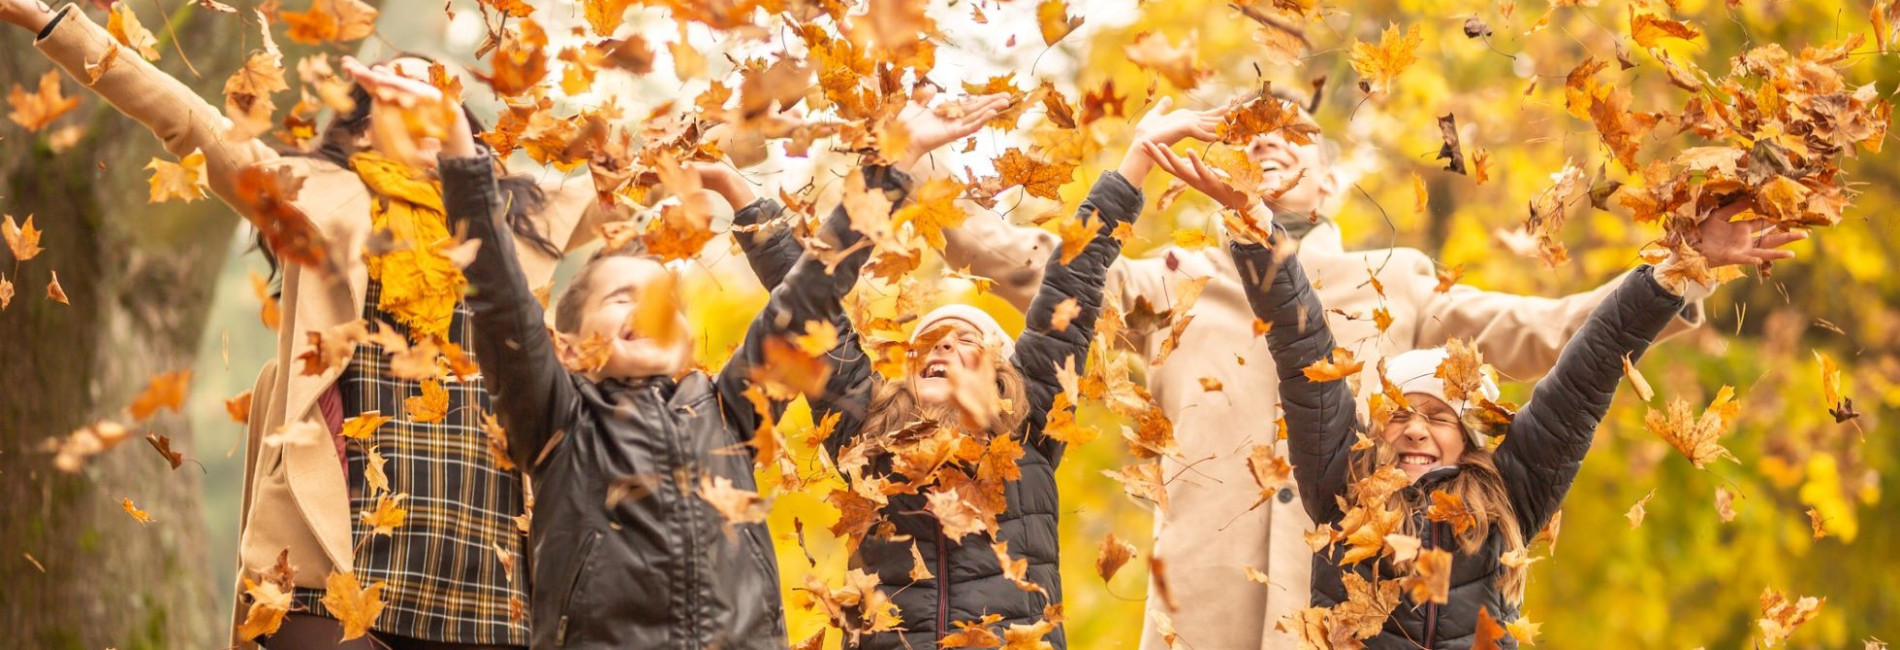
<point x="48" y="29"/>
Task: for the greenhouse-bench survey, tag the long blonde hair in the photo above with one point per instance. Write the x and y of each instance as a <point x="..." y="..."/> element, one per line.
<point x="1478" y="484"/>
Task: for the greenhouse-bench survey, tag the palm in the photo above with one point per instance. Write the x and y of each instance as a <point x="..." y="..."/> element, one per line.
<point x="1749" y="241"/>
<point x="929" y="128"/>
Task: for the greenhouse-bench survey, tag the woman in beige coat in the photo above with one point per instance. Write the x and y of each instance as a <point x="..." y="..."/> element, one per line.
<point x="451" y="574"/>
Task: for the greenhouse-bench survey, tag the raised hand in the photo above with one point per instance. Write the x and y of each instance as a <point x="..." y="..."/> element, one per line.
<point x="1749" y="241"/>
<point x="30" y="14"/>
<point x="930" y="128"/>
<point x="409" y="113"/>
<point x="1164" y="125"/>
<point x="1195" y="172"/>
<point x="723" y="179"/>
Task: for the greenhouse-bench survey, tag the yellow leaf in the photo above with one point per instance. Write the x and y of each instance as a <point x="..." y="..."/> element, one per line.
<point x="1065" y="312"/>
<point x="269" y="603"/>
<point x="1636" y="512"/>
<point x="355" y="607"/>
<point x="1152" y="51"/>
<point x="1697" y="437"/>
<point x="124" y="25"/>
<point x="22" y="238"/>
<point x="1340" y="365"/>
<point x="1076" y="235"/>
<point x="1038" y="177"/>
<point x="1381" y="64"/>
<point x="387" y="516"/>
<point x="139" y="515"/>
<point x="431" y="405"/>
<point x="37" y="110"/>
<point x="1052" y="17"/>
<point x="1431" y="581"/>
<point x="1643" y="391"/>
<point x="166" y="391"/>
<point x="933" y="209"/>
<point x="330" y="20"/>
<point x="1648" y="29"/>
<point x="184" y="179"/>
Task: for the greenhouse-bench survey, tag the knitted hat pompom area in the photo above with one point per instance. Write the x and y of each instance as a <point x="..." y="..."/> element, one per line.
<point x="993" y="333"/>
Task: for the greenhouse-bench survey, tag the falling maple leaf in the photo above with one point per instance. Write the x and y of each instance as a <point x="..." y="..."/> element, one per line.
<point x="166" y="391"/>
<point x="1380" y="65"/>
<point x="1488" y="632"/>
<point x="1038" y="177"/>
<point x="22" y="238"/>
<point x="1724" y="504"/>
<point x="339" y="21"/>
<point x="1065" y="312"/>
<point x="1270" y="472"/>
<point x="355" y="607"/>
<point x="373" y="475"/>
<point x="736" y="505"/>
<point x="387" y="516"/>
<point x="1636" y="512"/>
<point x="1697" y="437"/>
<point x="124" y="26"/>
<point x="1450" y="508"/>
<point x="1648" y="29"/>
<point x="1779" y="618"/>
<point x="1076" y="234"/>
<point x="932" y="210"/>
<point x="54" y="292"/>
<point x="137" y="515"/>
<point x="163" y="444"/>
<point x="269" y="602"/>
<point x="430" y="406"/>
<point x="72" y="451"/>
<point x="6" y="292"/>
<point x="183" y="180"/>
<point x="239" y="407"/>
<point x="1052" y="17"/>
<point x="1817" y="523"/>
<point x="1115" y="552"/>
<point x="38" y="109"/>
<point x="267" y="197"/>
<point x="1431" y="580"/>
<point x="1338" y="365"/>
<point x="1643" y="391"/>
<point x="1152" y="51"/>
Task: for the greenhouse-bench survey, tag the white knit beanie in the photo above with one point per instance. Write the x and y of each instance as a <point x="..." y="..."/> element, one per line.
<point x="993" y="333"/>
<point x="1417" y="372"/>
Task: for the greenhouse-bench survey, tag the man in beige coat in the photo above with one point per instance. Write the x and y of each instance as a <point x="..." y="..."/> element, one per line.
<point x="1209" y="534"/>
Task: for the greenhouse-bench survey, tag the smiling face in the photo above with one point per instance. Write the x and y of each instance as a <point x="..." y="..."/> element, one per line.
<point x="613" y="288"/>
<point x="953" y="346"/>
<point x="1281" y="160"/>
<point x="1426" y="436"/>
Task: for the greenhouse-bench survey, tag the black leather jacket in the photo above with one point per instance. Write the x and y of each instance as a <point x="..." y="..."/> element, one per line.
<point x="968" y="582"/>
<point x="657" y="567"/>
<point x="1538" y="459"/>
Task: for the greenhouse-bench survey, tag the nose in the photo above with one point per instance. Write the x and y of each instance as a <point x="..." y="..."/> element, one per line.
<point x="1417" y="430"/>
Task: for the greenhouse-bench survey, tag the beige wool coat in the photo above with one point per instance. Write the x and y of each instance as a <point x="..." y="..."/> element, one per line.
<point x="1208" y="535"/>
<point x="295" y="496"/>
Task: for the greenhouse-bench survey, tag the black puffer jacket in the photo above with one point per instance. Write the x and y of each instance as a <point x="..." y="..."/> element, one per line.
<point x="625" y="552"/>
<point x="968" y="582"/>
<point x="1538" y="459"/>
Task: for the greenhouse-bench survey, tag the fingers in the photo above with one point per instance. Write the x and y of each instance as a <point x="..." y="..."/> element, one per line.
<point x="1729" y="210"/>
<point x="1165" y="159"/>
<point x="924" y="95"/>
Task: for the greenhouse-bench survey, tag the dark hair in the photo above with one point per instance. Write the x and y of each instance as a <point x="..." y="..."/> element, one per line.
<point x="337" y="142"/>
<point x="567" y="309"/>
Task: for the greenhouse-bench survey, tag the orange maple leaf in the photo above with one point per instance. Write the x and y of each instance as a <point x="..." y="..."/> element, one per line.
<point x="36" y="110"/>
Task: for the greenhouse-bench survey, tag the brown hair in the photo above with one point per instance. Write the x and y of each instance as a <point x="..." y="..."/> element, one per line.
<point x="567" y="309"/>
<point x="894" y="407"/>
<point x="1478" y="484"/>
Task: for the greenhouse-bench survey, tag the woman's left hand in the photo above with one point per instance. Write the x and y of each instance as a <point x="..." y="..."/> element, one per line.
<point x="399" y="99"/>
<point x="930" y="128"/>
<point x="1749" y="241"/>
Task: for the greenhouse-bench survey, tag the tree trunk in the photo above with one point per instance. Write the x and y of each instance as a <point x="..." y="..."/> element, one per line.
<point x="140" y="278"/>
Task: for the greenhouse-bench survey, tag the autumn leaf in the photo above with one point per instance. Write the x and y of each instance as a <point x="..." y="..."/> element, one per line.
<point x="958" y="517"/>
<point x="1065" y="311"/>
<point x="1450" y="508"/>
<point x="56" y="293"/>
<point x="736" y="505"/>
<point x="1431" y="580"/>
<point x="266" y="197"/>
<point x="1648" y="29"/>
<point x="183" y="180"/>
<point x="22" y="238"/>
<point x="1339" y="365"/>
<point x="6" y="292"/>
<point x="1380" y="65"/>
<point x="337" y="21"/>
<point x="1038" y="177"/>
<point x="166" y="391"/>
<point x="38" y="109"/>
<point x="355" y="607"/>
<point x="124" y="26"/>
<point x="1052" y="17"/>
<point x="1488" y="633"/>
<point x="1636" y="512"/>
<point x="163" y="445"/>
<point x="932" y="210"/>
<point x="269" y="602"/>
<point x="387" y="516"/>
<point x="1115" y="552"/>
<point x="137" y="515"/>
<point x="1523" y="630"/>
<point x="430" y="406"/>
<point x="1697" y="437"/>
<point x="1270" y="472"/>
<point x="1817" y="523"/>
<point x="1152" y="51"/>
<point x="1779" y="618"/>
<point x="1076" y="233"/>
<point x="1643" y="391"/>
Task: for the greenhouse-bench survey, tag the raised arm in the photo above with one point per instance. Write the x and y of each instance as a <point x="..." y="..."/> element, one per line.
<point x="809" y="292"/>
<point x="181" y="119"/>
<point x="1519" y="335"/>
<point x="1042" y="348"/>
<point x="1321" y="417"/>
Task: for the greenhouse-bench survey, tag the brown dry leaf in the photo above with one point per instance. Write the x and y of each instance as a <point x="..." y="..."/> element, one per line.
<point x="973" y="634"/>
<point x="1450" y="508"/>
<point x="352" y="605"/>
<point x="56" y="293"/>
<point x="1724" y="504"/>
<point x="738" y="506"/>
<point x="1817" y="522"/>
<point x="1379" y="65"/>
<point x="430" y="406"/>
<point x="1142" y="483"/>
<point x="789" y="371"/>
<point x="1643" y="391"/>
<point x="72" y="452"/>
<point x="958" y="517"/>
<point x="124" y="25"/>
<point x="266" y="197"/>
<point x="1636" y="512"/>
<point x="1463" y="371"/>
<point x="166" y="391"/>
<point x="1015" y="569"/>
<point x="1270" y="472"/>
<point x="239" y="407"/>
<point x="38" y="109"/>
<point x="1115" y="552"/>
<point x="338" y="21"/>
<point x="1152" y="51"/>
<point x="1339" y="365"/>
<point x="387" y="516"/>
<point x="137" y="515"/>
<point x="269" y="602"/>
<point x="6" y="292"/>
<point x="183" y="180"/>
<point x="1038" y="177"/>
<point x="1431" y="581"/>
<point x="373" y="475"/>
<point x="22" y="238"/>
<point x="364" y="425"/>
<point x="1779" y="618"/>
<point x="163" y="445"/>
<point x="1076" y="233"/>
<point x="1488" y="633"/>
<point x="1065" y="311"/>
<point x="933" y="209"/>
<point x="1697" y="437"/>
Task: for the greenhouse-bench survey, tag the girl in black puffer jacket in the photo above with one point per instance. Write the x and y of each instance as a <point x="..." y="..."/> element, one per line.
<point x="1431" y="442"/>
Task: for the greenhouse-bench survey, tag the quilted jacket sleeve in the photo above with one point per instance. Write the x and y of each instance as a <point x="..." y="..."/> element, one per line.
<point x="1549" y="438"/>
<point x="1041" y="348"/>
<point x="1321" y="417"/>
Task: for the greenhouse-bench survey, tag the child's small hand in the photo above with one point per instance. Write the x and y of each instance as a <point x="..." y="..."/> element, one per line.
<point x="396" y="94"/>
<point x="722" y="179"/>
<point x="1165" y="126"/>
<point x="1193" y="171"/>
<point x="930" y="128"/>
<point x="1749" y="241"/>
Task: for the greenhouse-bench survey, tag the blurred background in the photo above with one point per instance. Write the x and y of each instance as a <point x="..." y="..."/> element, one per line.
<point x="163" y="287"/>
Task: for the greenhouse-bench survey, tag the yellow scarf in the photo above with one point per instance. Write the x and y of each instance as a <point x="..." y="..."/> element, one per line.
<point x="420" y="285"/>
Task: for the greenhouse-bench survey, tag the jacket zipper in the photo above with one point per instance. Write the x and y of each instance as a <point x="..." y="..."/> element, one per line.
<point x="573" y="585"/>
<point x="943" y="583"/>
<point x="1431" y="610"/>
<point x="692" y="513"/>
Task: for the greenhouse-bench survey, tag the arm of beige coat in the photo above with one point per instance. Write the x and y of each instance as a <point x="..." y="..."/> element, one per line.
<point x="992" y="247"/>
<point x="1520" y="335"/>
<point x="181" y="119"/>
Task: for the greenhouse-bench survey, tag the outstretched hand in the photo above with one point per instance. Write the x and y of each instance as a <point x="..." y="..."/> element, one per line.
<point x="1195" y="172"/>
<point x="930" y="128"/>
<point x="725" y="180"/>
<point x="1164" y="125"/>
<point x="399" y="101"/>
<point x="1724" y="241"/>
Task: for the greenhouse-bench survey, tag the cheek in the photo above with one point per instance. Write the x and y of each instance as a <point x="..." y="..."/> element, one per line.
<point x="1451" y="442"/>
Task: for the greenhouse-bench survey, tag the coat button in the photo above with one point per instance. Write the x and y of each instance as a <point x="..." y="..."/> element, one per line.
<point x="1286" y="495"/>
